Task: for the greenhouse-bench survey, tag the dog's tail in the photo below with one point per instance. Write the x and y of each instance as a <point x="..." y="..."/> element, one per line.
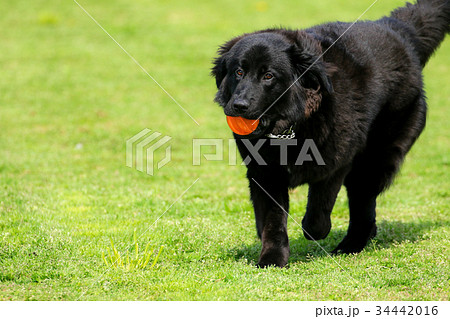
<point x="430" y="19"/>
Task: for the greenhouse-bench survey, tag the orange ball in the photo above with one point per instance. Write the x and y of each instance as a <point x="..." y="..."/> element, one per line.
<point x="242" y="126"/>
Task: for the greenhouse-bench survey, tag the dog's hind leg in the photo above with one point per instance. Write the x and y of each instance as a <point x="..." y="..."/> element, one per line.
<point x="362" y="203"/>
<point x="374" y="170"/>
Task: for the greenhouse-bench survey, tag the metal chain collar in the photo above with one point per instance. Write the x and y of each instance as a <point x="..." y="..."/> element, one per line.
<point x="285" y="135"/>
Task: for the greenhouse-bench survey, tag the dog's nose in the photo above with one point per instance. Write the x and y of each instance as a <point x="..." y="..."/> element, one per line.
<point x="241" y="105"/>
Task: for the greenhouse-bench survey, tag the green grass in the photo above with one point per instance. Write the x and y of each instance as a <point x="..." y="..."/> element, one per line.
<point x="139" y="259"/>
<point x="70" y="98"/>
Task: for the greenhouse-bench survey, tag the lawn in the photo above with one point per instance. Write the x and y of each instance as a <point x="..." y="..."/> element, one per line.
<point x="69" y="100"/>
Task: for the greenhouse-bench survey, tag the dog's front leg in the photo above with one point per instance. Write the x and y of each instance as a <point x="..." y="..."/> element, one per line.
<point x="322" y="195"/>
<point x="270" y="197"/>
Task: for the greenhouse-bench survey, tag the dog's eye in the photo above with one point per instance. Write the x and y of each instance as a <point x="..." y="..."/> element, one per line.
<point x="268" y="76"/>
<point x="239" y="72"/>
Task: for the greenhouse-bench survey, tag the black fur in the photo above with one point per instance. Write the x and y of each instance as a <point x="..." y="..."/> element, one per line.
<point x="362" y="103"/>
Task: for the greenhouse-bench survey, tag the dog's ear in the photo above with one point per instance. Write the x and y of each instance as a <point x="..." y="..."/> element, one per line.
<point x="306" y="57"/>
<point x="219" y="70"/>
<point x="310" y="69"/>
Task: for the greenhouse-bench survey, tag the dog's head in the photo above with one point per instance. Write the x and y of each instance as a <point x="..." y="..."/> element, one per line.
<point x="274" y="75"/>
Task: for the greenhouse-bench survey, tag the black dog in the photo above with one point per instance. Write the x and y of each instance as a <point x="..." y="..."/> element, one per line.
<point x="358" y="97"/>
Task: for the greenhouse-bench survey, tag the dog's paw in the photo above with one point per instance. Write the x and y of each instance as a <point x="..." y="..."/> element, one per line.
<point x="317" y="227"/>
<point x="274" y="257"/>
<point x="354" y="242"/>
<point x="349" y="246"/>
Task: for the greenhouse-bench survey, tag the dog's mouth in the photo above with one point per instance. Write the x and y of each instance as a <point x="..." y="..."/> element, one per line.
<point x="246" y="128"/>
<point x="278" y="129"/>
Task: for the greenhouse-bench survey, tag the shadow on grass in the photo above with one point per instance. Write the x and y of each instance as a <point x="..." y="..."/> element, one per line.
<point x="302" y="250"/>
